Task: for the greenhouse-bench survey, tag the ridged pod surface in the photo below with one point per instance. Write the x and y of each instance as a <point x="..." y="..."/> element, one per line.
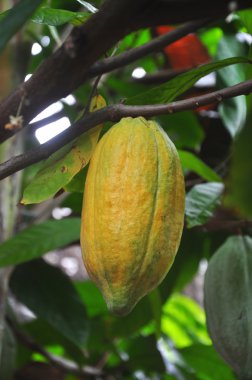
<point x="228" y="303"/>
<point x="133" y="212"/>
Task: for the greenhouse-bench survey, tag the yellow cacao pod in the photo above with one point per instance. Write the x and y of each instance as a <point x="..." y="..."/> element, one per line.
<point x="133" y="212"/>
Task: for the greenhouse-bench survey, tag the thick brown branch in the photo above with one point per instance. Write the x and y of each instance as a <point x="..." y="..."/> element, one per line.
<point x="189" y="10"/>
<point x="115" y="113"/>
<point x="68" y="67"/>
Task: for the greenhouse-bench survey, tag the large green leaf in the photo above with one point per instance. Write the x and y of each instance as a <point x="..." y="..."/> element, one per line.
<point x="205" y="363"/>
<point x="130" y="324"/>
<point x="47" y="336"/>
<point x="156" y="307"/>
<point x="232" y="111"/>
<point x="55" y="17"/>
<point x="169" y="91"/>
<point x="201" y="202"/>
<point x="38" y="240"/>
<point x="144" y="355"/>
<point x="183" y="321"/>
<point x="184" y="129"/>
<point x="15" y="18"/>
<point x="50" y="294"/>
<point x="92" y="298"/>
<point x="194" y="246"/>
<point x="192" y="163"/>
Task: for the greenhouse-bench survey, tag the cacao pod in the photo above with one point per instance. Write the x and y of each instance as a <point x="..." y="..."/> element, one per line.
<point x="228" y="303"/>
<point x="133" y="211"/>
<point x="185" y="53"/>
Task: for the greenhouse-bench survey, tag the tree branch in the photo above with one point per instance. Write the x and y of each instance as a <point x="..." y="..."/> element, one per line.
<point x="47" y="120"/>
<point x="159" y="77"/>
<point x="108" y="64"/>
<point x="187" y="10"/>
<point x="68" y="67"/>
<point x="64" y="365"/>
<point x="114" y="113"/>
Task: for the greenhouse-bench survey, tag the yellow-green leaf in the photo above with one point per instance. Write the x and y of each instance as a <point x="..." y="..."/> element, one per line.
<point x="62" y="166"/>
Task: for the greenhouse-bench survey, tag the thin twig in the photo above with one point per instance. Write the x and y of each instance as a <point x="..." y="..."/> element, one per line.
<point x="64" y="365"/>
<point x="108" y="64"/>
<point x="92" y="94"/>
<point x="95" y="86"/>
<point x="114" y="113"/>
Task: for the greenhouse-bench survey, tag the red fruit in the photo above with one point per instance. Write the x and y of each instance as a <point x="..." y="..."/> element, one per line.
<point x="185" y="53"/>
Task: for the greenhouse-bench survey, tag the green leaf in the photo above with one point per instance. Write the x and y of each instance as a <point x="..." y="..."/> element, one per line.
<point x="46" y="335"/>
<point x="183" y="321"/>
<point x="202" y="359"/>
<point x="63" y="165"/>
<point x="39" y="239"/>
<point x="191" y="251"/>
<point x="3" y="15"/>
<point x="144" y="355"/>
<point x="169" y="91"/>
<point x="195" y="245"/>
<point x="92" y="298"/>
<point x="15" y="18"/>
<point x="56" y="17"/>
<point x="74" y="202"/>
<point x="50" y="294"/>
<point x="156" y="306"/>
<point x="246" y="18"/>
<point x="239" y="183"/>
<point x="77" y="184"/>
<point x="130" y="324"/>
<point x="183" y="129"/>
<point x="232" y="111"/>
<point x="201" y="203"/>
<point x="192" y="163"/>
<point x="211" y="38"/>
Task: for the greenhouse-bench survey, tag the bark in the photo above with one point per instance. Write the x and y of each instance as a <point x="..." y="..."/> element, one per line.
<point x="69" y="66"/>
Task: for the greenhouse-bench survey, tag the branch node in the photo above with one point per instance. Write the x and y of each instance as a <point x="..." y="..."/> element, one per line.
<point x="219" y="98"/>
